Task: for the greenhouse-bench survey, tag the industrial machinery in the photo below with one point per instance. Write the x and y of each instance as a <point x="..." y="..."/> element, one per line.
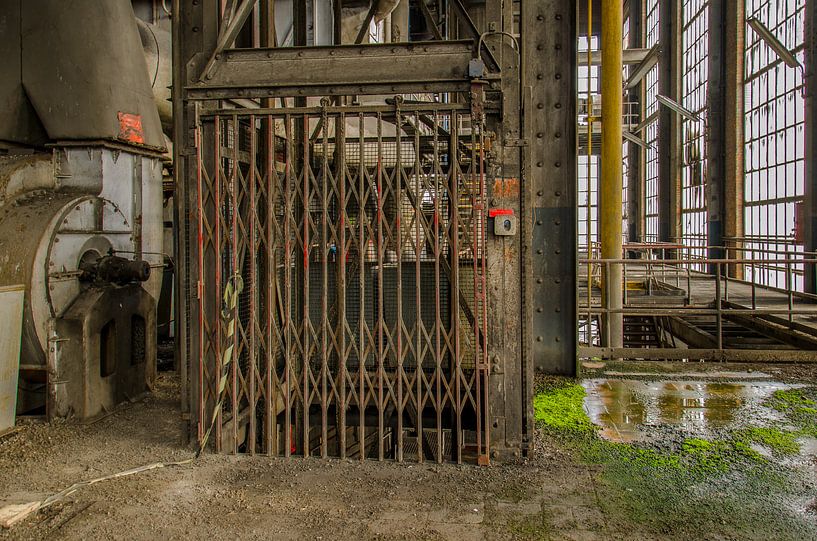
<point x="377" y="237"/>
<point x="80" y="202"/>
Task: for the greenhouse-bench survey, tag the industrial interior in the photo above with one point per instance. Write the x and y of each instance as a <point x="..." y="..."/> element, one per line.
<point x="489" y="269"/>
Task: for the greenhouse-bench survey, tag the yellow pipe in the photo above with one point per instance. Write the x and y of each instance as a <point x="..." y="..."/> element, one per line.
<point x="612" y="174"/>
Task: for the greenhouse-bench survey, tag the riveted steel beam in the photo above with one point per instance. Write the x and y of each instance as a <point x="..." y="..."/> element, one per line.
<point x="345" y="69"/>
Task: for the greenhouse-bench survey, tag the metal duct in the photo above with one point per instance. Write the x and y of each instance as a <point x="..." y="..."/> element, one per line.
<point x="78" y="99"/>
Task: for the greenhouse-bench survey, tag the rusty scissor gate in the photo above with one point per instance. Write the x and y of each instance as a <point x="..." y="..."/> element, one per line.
<point x="361" y="248"/>
<point x="373" y="227"/>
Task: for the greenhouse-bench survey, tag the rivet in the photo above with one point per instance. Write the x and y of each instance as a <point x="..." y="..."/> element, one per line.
<point x="539" y="76"/>
<point x="558" y="76"/>
<point x="540" y="135"/>
<point x="540" y="309"/>
<point x="538" y="222"/>
<point x="558" y="106"/>
<point x="540" y="193"/>
<point x="539" y="164"/>
<point x="539" y="280"/>
<point x="558" y="164"/>
<point x="540" y="17"/>
<point x="558" y="339"/>
<point x="558" y="135"/>
<point x="195" y="29"/>
<point x="558" y="16"/>
<point x="558" y="310"/>
<point x="557" y="222"/>
<point x="557" y="251"/>
<point x="539" y="47"/>
<point x="557" y="193"/>
<point x="539" y="338"/>
<point x="540" y="251"/>
<point x="557" y="281"/>
<point x="558" y="47"/>
<point x="540" y="105"/>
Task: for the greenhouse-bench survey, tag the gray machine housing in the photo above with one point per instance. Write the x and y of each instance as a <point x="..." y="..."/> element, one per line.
<point x="78" y="185"/>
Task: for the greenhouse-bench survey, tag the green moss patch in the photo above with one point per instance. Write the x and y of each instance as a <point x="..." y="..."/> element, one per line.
<point x="561" y="407"/>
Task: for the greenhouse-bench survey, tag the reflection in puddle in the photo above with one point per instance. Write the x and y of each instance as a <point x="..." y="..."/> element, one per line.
<point x="623" y="407"/>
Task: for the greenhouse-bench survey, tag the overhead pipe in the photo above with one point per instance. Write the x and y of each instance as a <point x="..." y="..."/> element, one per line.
<point x="612" y="171"/>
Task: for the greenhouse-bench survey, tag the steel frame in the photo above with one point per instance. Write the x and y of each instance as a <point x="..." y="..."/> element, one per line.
<point x="258" y="177"/>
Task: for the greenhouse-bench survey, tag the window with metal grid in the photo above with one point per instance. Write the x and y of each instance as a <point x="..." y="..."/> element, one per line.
<point x="774" y="151"/>
<point x="651" y="131"/>
<point x="693" y="178"/>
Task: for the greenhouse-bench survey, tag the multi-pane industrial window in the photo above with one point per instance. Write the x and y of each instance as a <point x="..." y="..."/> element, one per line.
<point x="588" y="166"/>
<point x="693" y="178"/>
<point x="651" y="131"/>
<point x="774" y="143"/>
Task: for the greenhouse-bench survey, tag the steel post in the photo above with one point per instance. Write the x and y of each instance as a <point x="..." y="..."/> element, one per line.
<point x="611" y="185"/>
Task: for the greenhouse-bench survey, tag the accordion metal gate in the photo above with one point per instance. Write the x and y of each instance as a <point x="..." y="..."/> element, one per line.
<point x="376" y="241"/>
<point x="358" y="234"/>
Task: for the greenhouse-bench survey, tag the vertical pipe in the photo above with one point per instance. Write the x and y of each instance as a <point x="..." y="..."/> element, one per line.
<point x="612" y="174"/>
<point x="400" y="22"/>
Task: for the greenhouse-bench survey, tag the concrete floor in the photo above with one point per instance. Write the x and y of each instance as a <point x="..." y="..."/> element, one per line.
<point x="553" y="495"/>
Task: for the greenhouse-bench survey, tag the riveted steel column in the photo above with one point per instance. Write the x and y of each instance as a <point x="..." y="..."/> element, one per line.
<point x="811" y="143"/>
<point x="734" y="50"/>
<point x="715" y="133"/>
<point x="634" y="209"/>
<point x="549" y="59"/>
<point x="669" y="123"/>
<point x="612" y="175"/>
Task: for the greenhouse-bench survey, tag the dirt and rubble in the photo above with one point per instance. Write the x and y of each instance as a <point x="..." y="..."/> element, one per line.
<point x="553" y="495"/>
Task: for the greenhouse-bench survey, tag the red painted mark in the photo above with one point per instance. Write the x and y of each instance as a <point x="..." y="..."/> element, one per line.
<point x="130" y="128"/>
<point x="493" y="213"/>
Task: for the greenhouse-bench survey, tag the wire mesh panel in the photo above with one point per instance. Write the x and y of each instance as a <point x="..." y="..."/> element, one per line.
<point x="774" y="144"/>
<point x="359" y="235"/>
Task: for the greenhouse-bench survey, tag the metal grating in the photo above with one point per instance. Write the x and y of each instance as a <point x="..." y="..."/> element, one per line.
<point x="359" y="233"/>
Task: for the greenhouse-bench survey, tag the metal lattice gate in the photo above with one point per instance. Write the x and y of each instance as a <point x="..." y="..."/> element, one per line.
<point x="359" y="232"/>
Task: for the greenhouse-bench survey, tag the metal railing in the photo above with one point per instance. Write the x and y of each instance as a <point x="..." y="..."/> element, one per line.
<point x="671" y="287"/>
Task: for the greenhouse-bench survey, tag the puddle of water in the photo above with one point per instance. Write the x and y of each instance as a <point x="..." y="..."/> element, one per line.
<point x="624" y="407"/>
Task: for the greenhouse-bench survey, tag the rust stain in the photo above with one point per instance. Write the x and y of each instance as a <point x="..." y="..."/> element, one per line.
<point x="506" y="187"/>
